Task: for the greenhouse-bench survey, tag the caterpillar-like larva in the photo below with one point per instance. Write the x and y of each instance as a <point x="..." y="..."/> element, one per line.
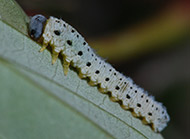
<point x="65" y="40"/>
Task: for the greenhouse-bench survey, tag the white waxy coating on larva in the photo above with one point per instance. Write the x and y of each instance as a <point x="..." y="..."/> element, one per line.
<point x="64" y="39"/>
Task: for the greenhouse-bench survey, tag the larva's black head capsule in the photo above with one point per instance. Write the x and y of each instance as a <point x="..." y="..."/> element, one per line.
<point x="36" y="26"/>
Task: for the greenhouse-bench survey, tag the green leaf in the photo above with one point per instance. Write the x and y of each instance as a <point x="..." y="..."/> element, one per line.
<point x="12" y="14"/>
<point x="38" y="101"/>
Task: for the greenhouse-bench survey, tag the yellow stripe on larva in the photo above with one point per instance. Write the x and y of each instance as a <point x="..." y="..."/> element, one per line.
<point x="65" y="40"/>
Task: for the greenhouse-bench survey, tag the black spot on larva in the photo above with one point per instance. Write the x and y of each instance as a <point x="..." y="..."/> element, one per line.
<point x="97" y="72"/>
<point x="64" y="25"/>
<point x="147" y="100"/>
<point x="110" y="70"/>
<point x="152" y="105"/>
<point x="77" y="35"/>
<point x="117" y="88"/>
<point x="72" y="31"/>
<point x="95" y="59"/>
<point x="162" y="112"/>
<point x="69" y="42"/>
<point x="84" y="43"/>
<point x="100" y="62"/>
<point x="88" y="64"/>
<point x="157" y="108"/>
<point x="131" y="87"/>
<point x="104" y="66"/>
<point x="120" y="79"/>
<point x="127" y="96"/>
<point x="107" y="79"/>
<point x="114" y="73"/>
<point x="92" y="54"/>
<point x="150" y="114"/>
<point x="57" y="21"/>
<point x="125" y="82"/>
<point x="80" y="53"/>
<point x="142" y="96"/>
<point x="165" y="117"/>
<point x="138" y="105"/>
<point x="57" y="32"/>
<point x="88" y="49"/>
<point x="135" y="91"/>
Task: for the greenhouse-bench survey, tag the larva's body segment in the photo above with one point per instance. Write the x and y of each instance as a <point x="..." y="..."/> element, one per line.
<point x="116" y="85"/>
<point x="65" y="40"/>
<point x="106" y="78"/>
<point x="138" y="103"/>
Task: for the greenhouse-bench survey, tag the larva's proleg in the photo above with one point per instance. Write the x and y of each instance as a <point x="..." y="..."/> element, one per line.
<point x="65" y="40"/>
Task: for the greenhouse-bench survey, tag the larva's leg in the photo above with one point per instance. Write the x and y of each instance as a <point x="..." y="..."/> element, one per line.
<point x="43" y="47"/>
<point x="82" y="73"/>
<point x="54" y="56"/>
<point x="68" y="57"/>
<point x="66" y="65"/>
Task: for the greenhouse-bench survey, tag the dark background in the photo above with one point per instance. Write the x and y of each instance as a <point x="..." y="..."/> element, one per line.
<point x="164" y="72"/>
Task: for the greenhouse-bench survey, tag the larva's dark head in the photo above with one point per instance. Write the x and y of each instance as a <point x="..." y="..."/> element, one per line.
<point x="36" y="26"/>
